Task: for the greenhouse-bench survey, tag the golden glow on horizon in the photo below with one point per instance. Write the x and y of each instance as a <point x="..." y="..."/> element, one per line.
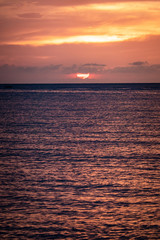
<point x="82" y="75"/>
<point x="74" y="39"/>
<point x="134" y="6"/>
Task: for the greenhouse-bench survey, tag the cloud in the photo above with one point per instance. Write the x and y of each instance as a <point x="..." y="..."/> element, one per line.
<point x="78" y="2"/>
<point x="138" y="63"/>
<point x="92" y="68"/>
<point x="30" y="74"/>
<point x="134" y="74"/>
<point x="111" y="54"/>
<point x="49" y="69"/>
<point x="30" y="15"/>
<point x="54" y="23"/>
<point x="136" y="69"/>
<point x="93" y="65"/>
<point x="62" y="2"/>
<point x="85" y="68"/>
<point x="8" y="68"/>
<point x="66" y="74"/>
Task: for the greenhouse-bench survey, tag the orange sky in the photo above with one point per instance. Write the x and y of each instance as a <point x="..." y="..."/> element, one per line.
<point x="51" y="40"/>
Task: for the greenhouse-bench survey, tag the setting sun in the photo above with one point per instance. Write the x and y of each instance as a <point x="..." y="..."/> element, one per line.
<point x="82" y="75"/>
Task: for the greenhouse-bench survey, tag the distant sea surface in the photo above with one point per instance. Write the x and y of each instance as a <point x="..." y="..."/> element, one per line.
<point x="80" y="162"/>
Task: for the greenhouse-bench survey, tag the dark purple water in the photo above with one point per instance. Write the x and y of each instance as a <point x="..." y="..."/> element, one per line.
<point x="80" y="163"/>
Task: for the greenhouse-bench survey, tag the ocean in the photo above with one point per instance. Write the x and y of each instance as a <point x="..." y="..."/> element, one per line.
<point x="80" y="161"/>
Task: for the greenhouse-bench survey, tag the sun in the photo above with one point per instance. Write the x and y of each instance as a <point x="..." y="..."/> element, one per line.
<point x="82" y="75"/>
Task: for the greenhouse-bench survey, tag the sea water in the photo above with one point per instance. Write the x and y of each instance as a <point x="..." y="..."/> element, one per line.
<point x="80" y="162"/>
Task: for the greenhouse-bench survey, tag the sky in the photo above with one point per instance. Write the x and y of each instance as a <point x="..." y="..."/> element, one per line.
<point x="79" y="41"/>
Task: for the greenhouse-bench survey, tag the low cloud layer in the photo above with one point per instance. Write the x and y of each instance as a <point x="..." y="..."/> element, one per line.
<point x="85" y="68"/>
<point x="136" y="69"/>
<point x="61" y="73"/>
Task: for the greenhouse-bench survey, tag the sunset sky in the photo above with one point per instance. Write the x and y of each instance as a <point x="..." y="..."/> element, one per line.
<point x="50" y="41"/>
